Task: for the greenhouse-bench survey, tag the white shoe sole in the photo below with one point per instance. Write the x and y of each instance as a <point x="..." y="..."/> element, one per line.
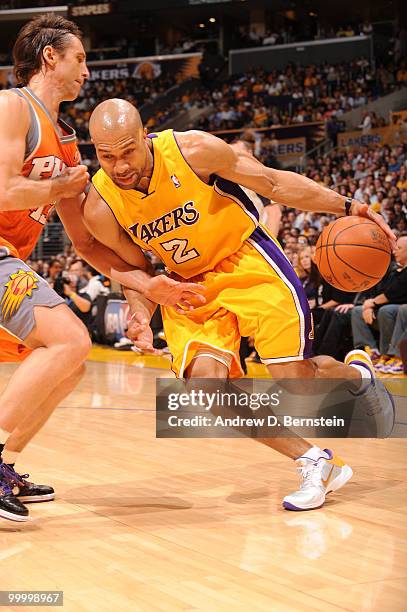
<point x="341" y="480"/>
<point x="13" y="517"/>
<point x="36" y="498"/>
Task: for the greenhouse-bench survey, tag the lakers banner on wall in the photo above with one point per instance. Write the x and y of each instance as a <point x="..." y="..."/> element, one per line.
<point x="179" y="67"/>
<point x="357" y="138"/>
<point x="291" y="149"/>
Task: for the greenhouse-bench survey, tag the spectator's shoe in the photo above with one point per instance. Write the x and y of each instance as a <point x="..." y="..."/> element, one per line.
<point x="373" y="354"/>
<point x="124" y="344"/>
<point x="27" y="491"/>
<point x="378" y="405"/>
<point x="393" y="366"/>
<point x="321" y="473"/>
<point x="381" y="364"/>
<point x="11" y="508"/>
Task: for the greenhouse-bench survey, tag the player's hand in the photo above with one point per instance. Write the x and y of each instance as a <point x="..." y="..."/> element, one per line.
<point x="139" y="331"/>
<point x="363" y="210"/>
<point x="72" y="181"/>
<point x="344" y="308"/>
<point x="183" y="297"/>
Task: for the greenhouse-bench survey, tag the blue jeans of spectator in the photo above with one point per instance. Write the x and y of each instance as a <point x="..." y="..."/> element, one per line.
<point x="399" y="331"/>
<point x="384" y="323"/>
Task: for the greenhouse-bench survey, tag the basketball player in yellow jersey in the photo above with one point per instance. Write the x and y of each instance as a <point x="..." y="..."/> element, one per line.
<point x="185" y="197"/>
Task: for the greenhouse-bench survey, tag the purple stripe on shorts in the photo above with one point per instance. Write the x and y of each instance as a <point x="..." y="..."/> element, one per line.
<point x="264" y="241"/>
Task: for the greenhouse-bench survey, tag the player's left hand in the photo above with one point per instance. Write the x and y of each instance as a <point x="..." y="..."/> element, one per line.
<point x="183" y="297"/>
<point x="363" y="210"/>
<point x="140" y="332"/>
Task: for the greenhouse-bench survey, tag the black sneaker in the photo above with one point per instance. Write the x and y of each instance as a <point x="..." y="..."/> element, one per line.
<point x="27" y="491"/>
<point x="11" y="508"/>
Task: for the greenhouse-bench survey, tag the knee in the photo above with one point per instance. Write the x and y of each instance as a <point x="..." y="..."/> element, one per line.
<point x="384" y="313"/>
<point x="402" y="313"/>
<point x="207" y="368"/>
<point x="78" y="374"/>
<point x="356" y="312"/>
<point x="79" y="345"/>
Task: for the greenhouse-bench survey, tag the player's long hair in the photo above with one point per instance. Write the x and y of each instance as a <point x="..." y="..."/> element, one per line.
<point x="45" y="30"/>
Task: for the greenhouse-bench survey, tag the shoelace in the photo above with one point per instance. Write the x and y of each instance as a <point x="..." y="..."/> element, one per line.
<point x="11" y="476"/>
<point x="309" y="472"/>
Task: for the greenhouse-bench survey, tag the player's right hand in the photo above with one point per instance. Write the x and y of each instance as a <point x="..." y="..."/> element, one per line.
<point x="140" y="332"/>
<point x="73" y="181"/>
<point x="182" y="296"/>
<point x="364" y="210"/>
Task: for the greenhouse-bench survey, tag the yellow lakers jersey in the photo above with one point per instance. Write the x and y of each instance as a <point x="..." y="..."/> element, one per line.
<point x="189" y="224"/>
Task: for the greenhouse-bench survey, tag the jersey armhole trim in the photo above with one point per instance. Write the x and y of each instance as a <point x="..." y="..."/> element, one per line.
<point x="187" y="162"/>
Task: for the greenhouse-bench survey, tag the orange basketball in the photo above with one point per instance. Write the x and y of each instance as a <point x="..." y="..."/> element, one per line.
<point x="353" y="253"/>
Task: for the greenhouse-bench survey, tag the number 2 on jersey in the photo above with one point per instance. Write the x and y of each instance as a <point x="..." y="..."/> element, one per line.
<point x="179" y="246"/>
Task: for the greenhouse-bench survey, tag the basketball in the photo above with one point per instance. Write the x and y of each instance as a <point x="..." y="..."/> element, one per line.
<point x="353" y="253"/>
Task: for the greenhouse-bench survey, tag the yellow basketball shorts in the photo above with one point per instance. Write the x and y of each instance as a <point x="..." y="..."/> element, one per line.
<point x="254" y="292"/>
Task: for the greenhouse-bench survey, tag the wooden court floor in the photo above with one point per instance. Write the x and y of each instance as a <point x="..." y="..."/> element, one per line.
<point x="146" y="524"/>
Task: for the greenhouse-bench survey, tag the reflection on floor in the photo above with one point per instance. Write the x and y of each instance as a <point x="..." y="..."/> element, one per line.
<point x="141" y="523"/>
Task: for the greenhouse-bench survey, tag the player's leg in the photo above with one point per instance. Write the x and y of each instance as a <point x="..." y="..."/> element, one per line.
<point x="60" y="344"/>
<point x="283" y="337"/>
<point x="23" y="433"/>
<point x="361" y="331"/>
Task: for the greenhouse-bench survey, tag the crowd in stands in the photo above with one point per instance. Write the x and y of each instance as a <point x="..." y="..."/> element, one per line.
<point x="136" y="90"/>
<point x="250" y="37"/>
<point x="298" y="94"/>
<point x="258" y="99"/>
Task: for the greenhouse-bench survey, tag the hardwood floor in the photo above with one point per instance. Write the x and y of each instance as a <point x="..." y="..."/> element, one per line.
<point x="141" y="523"/>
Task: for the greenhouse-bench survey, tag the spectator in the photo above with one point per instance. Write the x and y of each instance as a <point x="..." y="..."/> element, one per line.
<point x="379" y="313"/>
<point x="309" y="276"/>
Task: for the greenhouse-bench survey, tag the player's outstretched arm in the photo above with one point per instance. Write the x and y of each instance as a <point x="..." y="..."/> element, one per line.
<point x="208" y="155"/>
<point x="101" y="241"/>
<point x="16" y="191"/>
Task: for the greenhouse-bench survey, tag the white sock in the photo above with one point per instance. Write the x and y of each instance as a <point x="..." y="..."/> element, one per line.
<point x="366" y="374"/>
<point x="10" y="456"/>
<point x="4" y="435"/>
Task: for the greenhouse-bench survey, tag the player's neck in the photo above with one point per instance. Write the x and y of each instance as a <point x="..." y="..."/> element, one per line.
<point x="48" y="95"/>
<point x="144" y="182"/>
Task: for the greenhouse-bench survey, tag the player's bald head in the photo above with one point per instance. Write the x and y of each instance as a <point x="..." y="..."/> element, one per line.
<point x="114" y="119"/>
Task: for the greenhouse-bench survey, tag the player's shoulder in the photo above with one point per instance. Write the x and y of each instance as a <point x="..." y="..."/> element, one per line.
<point x="10" y="97"/>
<point x="203" y="150"/>
<point x="13" y="106"/>
<point x="196" y="138"/>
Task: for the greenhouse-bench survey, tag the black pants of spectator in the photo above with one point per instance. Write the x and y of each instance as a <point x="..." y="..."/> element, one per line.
<point x="333" y="336"/>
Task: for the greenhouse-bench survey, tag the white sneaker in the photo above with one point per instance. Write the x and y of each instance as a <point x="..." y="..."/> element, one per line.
<point x="321" y="473"/>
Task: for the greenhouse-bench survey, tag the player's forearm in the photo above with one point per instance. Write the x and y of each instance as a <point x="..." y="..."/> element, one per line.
<point x="297" y="191"/>
<point x="138" y="303"/>
<point x="108" y="263"/>
<point x="20" y="193"/>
